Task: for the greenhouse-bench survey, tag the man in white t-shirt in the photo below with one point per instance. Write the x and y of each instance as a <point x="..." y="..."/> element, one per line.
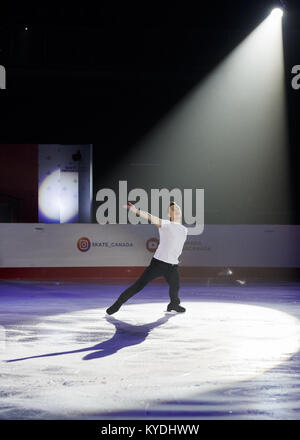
<point x="165" y="260"/>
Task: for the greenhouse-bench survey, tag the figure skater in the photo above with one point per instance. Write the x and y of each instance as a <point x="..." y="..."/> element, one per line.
<point x="165" y="260"/>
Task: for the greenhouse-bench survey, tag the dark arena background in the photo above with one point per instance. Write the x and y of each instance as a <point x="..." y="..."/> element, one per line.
<point x="113" y="102"/>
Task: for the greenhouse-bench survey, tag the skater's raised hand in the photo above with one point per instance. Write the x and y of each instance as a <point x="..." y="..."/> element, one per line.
<point x="130" y="206"/>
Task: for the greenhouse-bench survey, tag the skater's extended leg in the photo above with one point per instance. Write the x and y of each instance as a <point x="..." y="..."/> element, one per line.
<point x="172" y="278"/>
<point x="150" y="273"/>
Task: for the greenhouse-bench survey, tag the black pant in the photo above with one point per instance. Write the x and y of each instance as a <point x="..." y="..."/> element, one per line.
<point x="156" y="269"/>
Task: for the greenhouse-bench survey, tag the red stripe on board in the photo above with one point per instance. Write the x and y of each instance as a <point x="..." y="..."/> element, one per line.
<point x="50" y="273"/>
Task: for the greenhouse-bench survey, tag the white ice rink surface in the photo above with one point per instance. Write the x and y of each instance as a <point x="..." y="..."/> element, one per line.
<point x="86" y="364"/>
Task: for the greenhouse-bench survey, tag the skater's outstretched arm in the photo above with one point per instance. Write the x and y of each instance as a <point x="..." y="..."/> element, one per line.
<point x="152" y="218"/>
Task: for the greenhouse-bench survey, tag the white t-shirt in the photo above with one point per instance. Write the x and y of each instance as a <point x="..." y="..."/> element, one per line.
<point x="172" y="238"/>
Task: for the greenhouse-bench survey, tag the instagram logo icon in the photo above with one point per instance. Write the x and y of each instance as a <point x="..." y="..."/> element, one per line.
<point x="152" y="244"/>
<point x="83" y="244"/>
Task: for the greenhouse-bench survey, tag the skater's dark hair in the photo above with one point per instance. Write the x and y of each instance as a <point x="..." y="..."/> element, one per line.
<point x="174" y="204"/>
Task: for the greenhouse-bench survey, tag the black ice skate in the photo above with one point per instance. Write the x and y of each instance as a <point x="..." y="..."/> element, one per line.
<point x="176" y="308"/>
<point x="113" y="309"/>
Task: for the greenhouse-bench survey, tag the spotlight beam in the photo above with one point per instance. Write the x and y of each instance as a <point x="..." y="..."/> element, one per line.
<point x="277" y="13"/>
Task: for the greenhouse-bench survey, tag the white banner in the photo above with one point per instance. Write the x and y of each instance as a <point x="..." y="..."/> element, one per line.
<point x="93" y="245"/>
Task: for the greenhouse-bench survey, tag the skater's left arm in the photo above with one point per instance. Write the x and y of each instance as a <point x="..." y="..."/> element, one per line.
<point x="152" y="218"/>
